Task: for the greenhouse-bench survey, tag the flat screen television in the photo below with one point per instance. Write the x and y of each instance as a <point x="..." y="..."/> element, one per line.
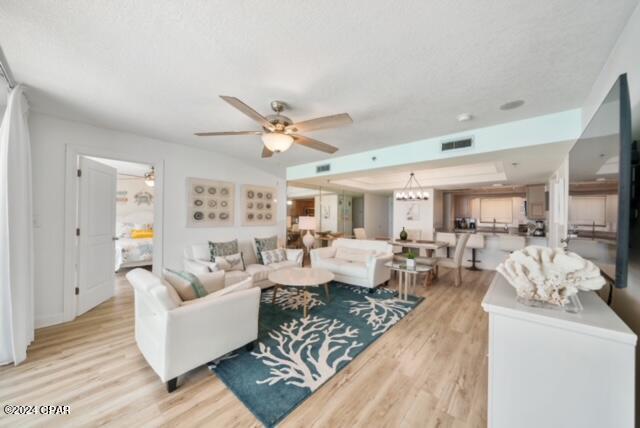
<point x="600" y="186"/>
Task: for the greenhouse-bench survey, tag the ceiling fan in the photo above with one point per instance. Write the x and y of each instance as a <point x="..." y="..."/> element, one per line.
<point x="279" y="132"/>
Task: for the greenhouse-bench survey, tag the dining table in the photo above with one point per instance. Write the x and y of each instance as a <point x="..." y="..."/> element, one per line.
<point x="420" y="244"/>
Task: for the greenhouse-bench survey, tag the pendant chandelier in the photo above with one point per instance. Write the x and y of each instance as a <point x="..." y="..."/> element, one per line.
<point x="412" y="191"/>
<point x="150" y="177"/>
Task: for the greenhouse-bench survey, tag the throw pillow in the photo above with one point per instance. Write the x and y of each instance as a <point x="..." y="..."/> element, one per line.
<point x="186" y="284"/>
<point x="140" y="234"/>
<point x="265" y="244"/>
<point x="273" y="256"/>
<point x="223" y="249"/>
<point x="123" y="230"/>
<point x="230" y="263"/>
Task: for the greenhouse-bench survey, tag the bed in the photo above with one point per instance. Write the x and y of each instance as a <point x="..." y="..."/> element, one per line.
<point x="132" y="252"/>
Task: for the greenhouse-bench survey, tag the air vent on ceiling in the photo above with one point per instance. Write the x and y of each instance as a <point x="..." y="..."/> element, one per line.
<point x="323" y="168"/>
<point x="457" y="144"/>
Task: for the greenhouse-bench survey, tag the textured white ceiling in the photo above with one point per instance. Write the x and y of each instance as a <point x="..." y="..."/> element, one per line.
<point x="403" y="70"/>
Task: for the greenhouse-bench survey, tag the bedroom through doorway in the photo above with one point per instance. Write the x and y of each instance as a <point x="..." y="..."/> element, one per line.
<point x="115" y="219"/>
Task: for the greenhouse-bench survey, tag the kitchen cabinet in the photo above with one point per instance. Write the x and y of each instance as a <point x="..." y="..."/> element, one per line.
<point x="536" y="205"/>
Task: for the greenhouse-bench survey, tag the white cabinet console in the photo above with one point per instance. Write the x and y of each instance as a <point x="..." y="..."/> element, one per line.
<point x="550" y="368"/>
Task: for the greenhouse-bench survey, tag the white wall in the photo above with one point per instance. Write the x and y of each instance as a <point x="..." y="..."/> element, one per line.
<point x="424" y="222"/>
<point x="49" y="137"/>
<point x="131" y="186"/>
<point x="376" y="215"/>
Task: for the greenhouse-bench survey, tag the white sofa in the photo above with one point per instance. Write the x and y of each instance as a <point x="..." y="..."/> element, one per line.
<point x="175" y="336"/>
<point x="355" y="261"/>
<point x="197" y="261"/>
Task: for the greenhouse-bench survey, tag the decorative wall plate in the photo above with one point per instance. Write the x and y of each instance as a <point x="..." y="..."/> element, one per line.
<point x="259" y="205"/>
<point x="210" y="203"/>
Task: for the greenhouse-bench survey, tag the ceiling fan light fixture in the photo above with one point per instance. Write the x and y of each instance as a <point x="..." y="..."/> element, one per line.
<point x="150" y="177"/>
<point x="277" y="142"/>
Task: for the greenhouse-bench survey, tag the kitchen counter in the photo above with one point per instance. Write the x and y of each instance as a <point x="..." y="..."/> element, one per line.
<point x="489" y="232"/>
<point x="491" y="255"/>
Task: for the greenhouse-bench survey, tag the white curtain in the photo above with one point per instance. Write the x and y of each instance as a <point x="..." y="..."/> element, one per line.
<point x="16" y="231"/>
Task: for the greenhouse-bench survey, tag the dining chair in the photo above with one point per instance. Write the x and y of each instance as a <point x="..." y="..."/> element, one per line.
<point x="413" y="234"/>
<point x="454" y="262"/>
<point x="449" y="238"/>
<point x="360" y="233"/>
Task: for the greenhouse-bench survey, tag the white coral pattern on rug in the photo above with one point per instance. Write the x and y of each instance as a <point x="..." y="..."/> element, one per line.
<point x="378" y="291"/>
<point x="297" y="359"/>
<point x="380" y="314"/>
<point x="291" y="298"/>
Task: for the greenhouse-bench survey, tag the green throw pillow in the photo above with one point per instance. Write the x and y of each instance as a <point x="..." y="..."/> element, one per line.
<point x="265" y="244"/>
<point x="193" y="280"/>
<point x="218" y="249"/>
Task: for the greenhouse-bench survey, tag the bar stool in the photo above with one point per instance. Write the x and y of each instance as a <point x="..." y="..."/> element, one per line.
<point x="511" y="243"/>
<point x="476" y="242"/>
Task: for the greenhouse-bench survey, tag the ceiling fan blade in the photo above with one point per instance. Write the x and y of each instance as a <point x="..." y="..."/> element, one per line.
<point x="266" y="153"/>
<point x="321" y="123"/>
<point x="248" y="111"/>
<point x="314" y="144"/>
<point x="214" y="134"/>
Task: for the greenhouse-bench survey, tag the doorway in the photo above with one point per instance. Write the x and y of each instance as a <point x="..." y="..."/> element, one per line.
<point x="115" y="225"/>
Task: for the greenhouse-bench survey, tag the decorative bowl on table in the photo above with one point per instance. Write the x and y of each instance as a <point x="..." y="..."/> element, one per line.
<point x="545" y="276"/>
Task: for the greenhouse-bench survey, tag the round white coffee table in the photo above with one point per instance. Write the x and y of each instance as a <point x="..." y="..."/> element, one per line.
<point x="301" y="277"/>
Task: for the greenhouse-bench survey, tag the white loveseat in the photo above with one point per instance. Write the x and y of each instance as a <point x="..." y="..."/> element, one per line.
<point x="175" y="336"/>
<point x="197" y="260"/>
<point x="355" y="261"/>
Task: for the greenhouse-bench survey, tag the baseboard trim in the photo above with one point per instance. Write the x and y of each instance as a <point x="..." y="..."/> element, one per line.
<point x="49" y="320"/>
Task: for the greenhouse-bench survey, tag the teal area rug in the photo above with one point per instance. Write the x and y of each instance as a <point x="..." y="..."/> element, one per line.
<point x="294" y="355"/>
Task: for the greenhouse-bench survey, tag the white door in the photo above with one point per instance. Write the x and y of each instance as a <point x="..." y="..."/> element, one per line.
<point x="96" y="242"/>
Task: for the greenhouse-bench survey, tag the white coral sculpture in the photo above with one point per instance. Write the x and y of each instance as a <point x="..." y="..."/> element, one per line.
<point x="308" y="351"/>
<point x="550" y="274"/>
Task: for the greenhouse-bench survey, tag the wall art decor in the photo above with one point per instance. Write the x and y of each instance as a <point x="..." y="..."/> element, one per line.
<point x="259" y="205"/>
<point x="412" y="212"/>
<point x="210" y="203"/>
<point x="145" y="198"/>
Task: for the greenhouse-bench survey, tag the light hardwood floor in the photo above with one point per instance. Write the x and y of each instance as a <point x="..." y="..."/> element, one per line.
<point x="430" y="370"/>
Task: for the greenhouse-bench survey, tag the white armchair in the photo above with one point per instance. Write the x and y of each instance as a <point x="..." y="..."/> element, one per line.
<point x="356" y="262"/>
<point x="175" y="336"/>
